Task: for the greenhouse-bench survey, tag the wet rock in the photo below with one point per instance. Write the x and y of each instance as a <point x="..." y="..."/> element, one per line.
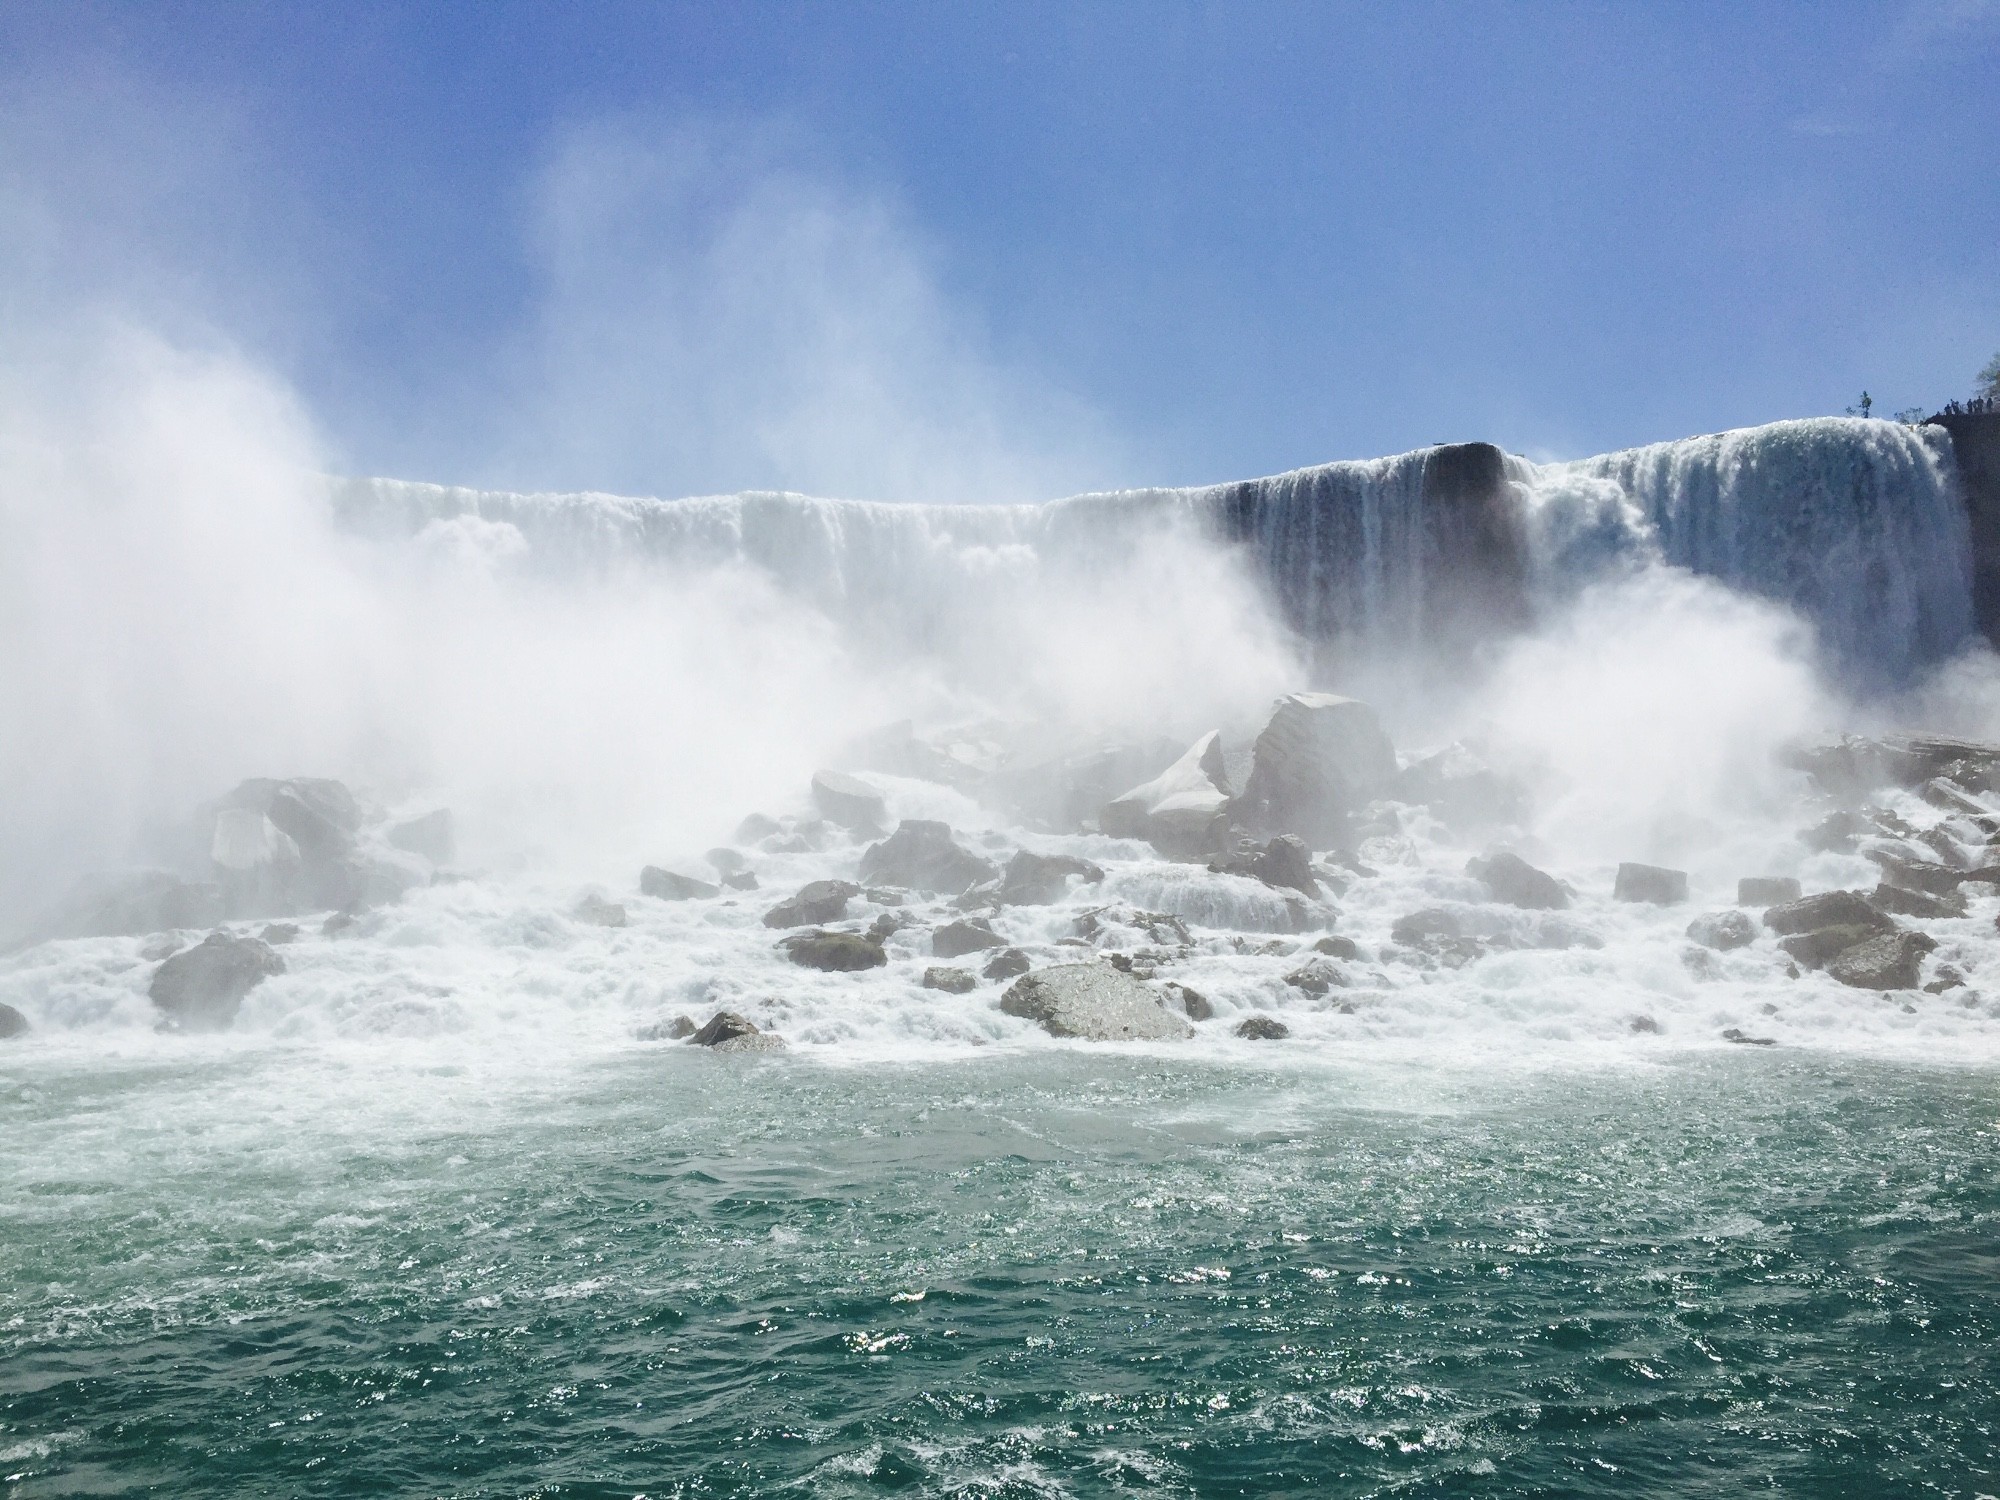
<point x="1008" y="963"/>
<point x="956" y="939"/>
<point x="1283" y="863"/>
<point x="1827" y="909"/>
<point x="1337" y="947"/>
<point x="1437" y="933"/>
<point x="1947" y="795"/>
<point x="1946" y="978"/>
<point x="12" y="1023"/>
<point x="1319" y="758"/>
<point x="1766" y="890"/>
<point x="133" y="904"/>
<point x="835" y="952"/>
<point x="1461" y="789"/>
<point x="921" y="855"/>
<point x="665" y="885"/>
<point x="1744" y="1040"/>
<point x="726" y="861"/>
<point x="1818" y="948"/>
<point x="1514" y="881"/>
<point x="756" y="828"/>
<point x="1042" y="879"/>
<point x="1093" y="1002"/>
<point x="728" y="1032"/>
<point x="164" y="946"/>
<point x="434" y="836"/>
<point x="847" y="800"/>
<point x="817" y="902"/>
<point x="1066" y="791"/>
<point x="598" y="912"/>
<point x="202" y="988"/>
<point x="1159" y="927"/>
<point x="951" y="981"/>
<point x="1192" y="1002"/>
<point x="1651" y="884"/>
<point x="679" y="1029"/>
<point x="280" y="932"/>
<point x="1930" y="876"/>
<point x="887" y="925"/>
<point x="1262" y="1029"/>
<point x="1723" y="930"/>
<point x="1182" y="812"/>
<point x="1644" y="1026"/>
<point x="742" y="880"/>
<point x="1318" y="978"/>
<point x="1836" y="833"/>
<point x="1904" y="903"/>
<point x="337" y="923"/>
<point x="1888" y="962"/>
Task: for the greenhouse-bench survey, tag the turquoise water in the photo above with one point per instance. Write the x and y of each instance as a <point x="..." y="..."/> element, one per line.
<point x="1069" y="1272"/>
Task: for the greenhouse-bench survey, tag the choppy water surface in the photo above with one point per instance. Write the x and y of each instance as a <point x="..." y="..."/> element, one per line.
<point x="653" y="1271"/>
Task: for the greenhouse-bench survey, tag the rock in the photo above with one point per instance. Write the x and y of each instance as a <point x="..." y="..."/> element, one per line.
<point x="1650" y="883"/>
<point x="1947" y="978"/>
<point x="280" y="932"/>
<point x="679" y="1029"/>
<point x="1888" y="962"/>
<point x="1159" y="927"/>
<point x="1644" y="1025"/>
<point x="1834" y="834"/>
<point x="887" y="925"/>
<point x="756" y="828"/>
<point x="12" y="1023"/>
<point x="202" y="988"/>
<point x="728" y="1032"/>
<point x="726" y="862"/>
<point x="1337" y="947"/>
<point x="434" y="836"/>
<point x="742" y="880"/>
<point x="1899" y="902"/>
<point x="1514" y="881"/>
<point x="1318" y="977"/>
<point x="665" y="885"/>
<point x="956" y="939"/>
<point x="130" y="905"/>
<point x="1008" y="963"/>
<point x="598" y="912"/>
<point x="1283" y="863"/>
<point x="816" y="902"/>
<point x="1318" y="759"/>
<point x="1926" y="875"/>
<point x="1818" y="948"/>
<point x="1743" y="1040"/>
<point x="1262" y="1029"/>
<point x="1193" y="1003"/>
<point x="1041" y="879"/>
<point x="1094" y="1002"/>
<point x="164" y="946"/>
<point x="1827" y="909"/>
<point x="847" y="800"/>
<point x="1766" y="890"/>
<point x="835" y="952"/>
<point x="951" y="981"/>
<point x="1723" y="930"/>
<point x="922" y="856"/>
<point x="336" y="924"/>
<point x="1065" y="792"/>
<point x="1459" y="787"/>
<point x="1183" y="811"/>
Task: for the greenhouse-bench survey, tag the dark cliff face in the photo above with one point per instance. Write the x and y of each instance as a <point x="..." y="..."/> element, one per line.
<point x="1975" y="442"/>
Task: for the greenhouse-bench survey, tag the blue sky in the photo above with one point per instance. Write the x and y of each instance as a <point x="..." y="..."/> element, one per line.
<point x="990" y="250"/>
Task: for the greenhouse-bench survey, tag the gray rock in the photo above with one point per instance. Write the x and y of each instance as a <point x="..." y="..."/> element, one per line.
<point x="1744" y="1039"/>
<point x="679" y="1029"/>
<point x="1650" y="883"/>
<point x="1318" y="760"/>
<point x="1066" y="791"/>
<point x="1093" y="1002"/>
<point x="1818" y="948"/>
<point x="1283" y="863"/>
<point x="337" y="923"/>
<point x="1193" y="1003"/>
<point x="1008" y="963"/>
<point x="1827" y="909"/>
<point x="1459" y="787"/>
<point x="12" y="1023"/>
<point x="726" y="861"/>
<point x="434" y="836"/>
<point x="816" y="902"/>
<point x="756" y="828"/>
<point x="1887" y="962"/>
<point x="598" y="912"/>
<point x="921" y="855"/>
<point x="202" y="988"/>
<point x="665" y="885"/>
<point x="1337" y="947"/>
<point x="1899" y="902"/>
<point x="956" y="939"/>
<point x="742" y="880"/>
<point x="1262" y="1029"/>
<point x="951" y="981"/>
<point x="728" y="1032"/>
<point x="1643" y="1026"/>
<point x="1041" y="879"/>
<point x="1766" y="890"/>
<point x="835" y="952"/>
<point x="847" y="800"/>
<point x="280" y="932"/>
<point x="1159" y="927"/>
<point x="131" y="905"/>
<point x="1723" y="930"/>
<point x="1184" y="811"/>
<point x="1928" y="875"/>
<point x="1318" y="977"/>
<point x="1514" y="881"/>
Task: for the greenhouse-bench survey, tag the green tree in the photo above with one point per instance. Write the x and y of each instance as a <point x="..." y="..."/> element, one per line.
<point x="1987" y="385"/>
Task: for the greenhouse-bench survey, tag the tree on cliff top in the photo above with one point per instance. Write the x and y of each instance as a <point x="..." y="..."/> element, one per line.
<point x="1987" y="383"/>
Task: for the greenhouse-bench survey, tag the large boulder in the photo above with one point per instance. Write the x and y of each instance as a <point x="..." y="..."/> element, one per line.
<point x="1723" y="930"/>
<point x="1827" y="909"/>
<point x="956" y="939"/>
<point x="1262" y="1029"/>
<point x="921" y="855"/>
<point x="817" y="902"/>
<point x="951" y="981"/>
<point x="728" y="1032"/>
<point x="202" y="988"/>
<point x="1887" y="962"/>
<point x="665" y="885"/>
<point x="1094" y="1002"/>
<point x="433" y="835"/>
<point x="1899" y="902"/>
<point x="1184" y="811"/>
<point x="1041" y="879"/>
<point x="1283" y="863"/>
<point x="1514" y="881"/>
<point x="1318" y="759"/>
<point x="12" y="1023"/>
<point x="1818" y="948"/>
<point x="835" y="952"/>
<point x="1650" y="884"/>
<point x="848" y="801"/>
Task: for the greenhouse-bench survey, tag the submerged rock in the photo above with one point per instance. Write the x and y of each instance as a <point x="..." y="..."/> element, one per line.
<point x="1514" y="881"/>
<point x="665" y="885"/>
<point x="1651" y="884"/>
<point x="1743" y="1039"/>
<point x="1318" y="760"/>
<point x="1093" y="1002"/>
<point x="1888" y="962"/>
<point x="951" y="981"/>
<point x="12" y="1023"/>
<point x="598" y="912"/>
<point x="728" y="1032"/>
<point x="1262" y="1029"/>
<point x="1766" y="890"/>
<point x="847" y="800"/>
<point x="835" y="952"/>
<point x="1183" y="811"/>
<point x="921" y="855"/>
<point x="202" y="988"/>
<point x="956" y="939"/>
<point x="1723" y="930"/>
<point x="1042" y="879"/>
<point x="816" y="902"/>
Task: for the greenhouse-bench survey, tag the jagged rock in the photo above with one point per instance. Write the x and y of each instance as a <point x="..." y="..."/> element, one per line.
<point x="1040" y="879"/>
<point x="12" y="1023"/>
<point x="202" y="988"/>
<point x="257" y="864"/>
<point x="1919" y="874"/>
<point x="598" y="912"/>
<point x="1262" y="1029"/>
<point x="726" y="861"/>
<point x="1743" y="1039"/>
<point x="1947" y="978"/>
<point x="1836" y="833"/>
<point x="1181" y="812"/>
<point x="728" y="1032"/>
<point x="1283" y="863"/>
<point x="1008" y="963"/>
<point x="1650" y="883"/>
<point x="956" y="939"/>
<point x="951" y="981"/>
<point x="1094" y="1002"/>
<point x="1514" y="881"/>
<point x="679" y="1029"/>
<point x="816" y="902"/>
<point x="1819" y="947"/>
<point x="1858" y="764"/>
<point x="742" y="880"/>
<point x="1904" y="903"/>
<point x="1337" y="947"/>
<point x="434" y="836"/>
<point x="922" y="856"/>
<point x="1723" y="930"/>
<point x="835" y="952"/>
<point x="1318" y="759"/>
<point x="847" y="800"/>
<point x="1159" y="927"/>
<point x="1827" y="909"/>
<point x="1318" y="977"/>
<point x="756" y="828"/>
<point x="1766" y="890"/>
<point x="280" y="932"/>
<point x="1888" y="962"/>
<point x="1458" y="786"/>
<point x="1193" y="1003"/>
<point x="665" y="885"/>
